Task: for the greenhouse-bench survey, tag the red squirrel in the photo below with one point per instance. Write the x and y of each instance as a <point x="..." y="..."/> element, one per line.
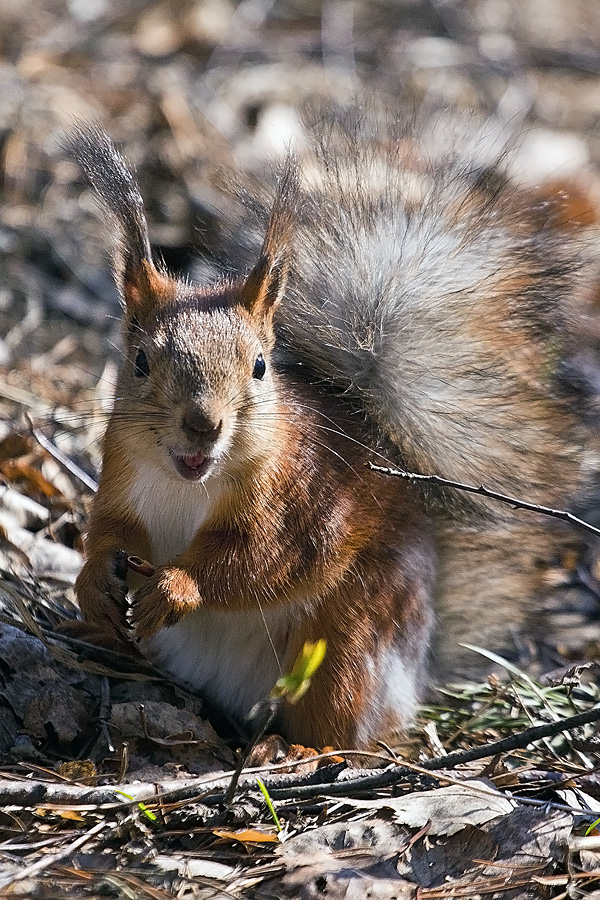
<point x="397" y="308"/>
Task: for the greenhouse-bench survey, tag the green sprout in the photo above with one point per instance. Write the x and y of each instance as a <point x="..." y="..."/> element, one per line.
<point x="295" y="684"/>
<point x="269" y="802"/>
<point x="141" y="806"/>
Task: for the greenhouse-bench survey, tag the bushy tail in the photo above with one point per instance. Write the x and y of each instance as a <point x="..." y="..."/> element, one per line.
<point x="430" y="290"/>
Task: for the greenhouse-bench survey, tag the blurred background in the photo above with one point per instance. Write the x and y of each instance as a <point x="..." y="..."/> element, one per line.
<point x="188" y="86"/>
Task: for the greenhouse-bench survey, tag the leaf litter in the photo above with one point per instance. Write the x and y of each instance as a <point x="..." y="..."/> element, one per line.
<point x="111" y="779"/>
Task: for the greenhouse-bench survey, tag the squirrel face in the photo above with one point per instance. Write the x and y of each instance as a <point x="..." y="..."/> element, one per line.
<point x="197" y="375"/>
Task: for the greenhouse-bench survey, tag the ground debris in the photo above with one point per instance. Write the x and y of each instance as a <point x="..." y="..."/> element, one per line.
<point x="112" y="780"/>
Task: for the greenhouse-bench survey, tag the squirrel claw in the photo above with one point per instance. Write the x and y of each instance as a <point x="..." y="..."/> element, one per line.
<point x="147" y="614"/>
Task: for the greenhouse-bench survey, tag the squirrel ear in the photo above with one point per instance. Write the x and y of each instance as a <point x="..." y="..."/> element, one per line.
<point x="144" y="287"/>
<point x="265" y="286"/>
<point x="114" y="184"/>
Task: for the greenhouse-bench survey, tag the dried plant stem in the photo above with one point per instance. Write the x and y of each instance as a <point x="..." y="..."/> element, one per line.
<point x="491" y="495"/>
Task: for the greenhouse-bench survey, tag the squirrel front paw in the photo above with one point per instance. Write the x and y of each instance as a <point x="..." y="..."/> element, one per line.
<point x="101" y="590"/>
<point x="168" y="596"/>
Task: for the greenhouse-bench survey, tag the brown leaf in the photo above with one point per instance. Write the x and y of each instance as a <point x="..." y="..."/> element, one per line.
<point x="14" y="446"/>
<point x="82" y="770"/>
<point x="22" y="473"/>
<point x="70" y="814"/>
<point x="247" y="836"/>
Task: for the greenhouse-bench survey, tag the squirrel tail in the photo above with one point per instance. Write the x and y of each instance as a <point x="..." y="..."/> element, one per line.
<point x="432" y="292"/>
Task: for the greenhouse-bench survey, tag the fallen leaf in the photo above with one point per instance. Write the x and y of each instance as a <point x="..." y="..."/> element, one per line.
<point x="20" y="472"/>
<point x="345" y="861"/>
<point x="449" y="809"/>
<point x="247" y="836"/>
<point x="59" y="707"/>
<point x="82" y="770"/>
<point x="161" y="723"/>
<point x="70" y="814"/>
<point x="372" y="838"/>
<point x="15" y="445"/>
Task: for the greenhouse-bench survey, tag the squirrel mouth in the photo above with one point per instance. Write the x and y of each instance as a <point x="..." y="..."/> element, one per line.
<point x="193" y="466"/>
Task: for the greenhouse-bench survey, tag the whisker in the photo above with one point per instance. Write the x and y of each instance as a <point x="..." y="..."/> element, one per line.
<point x="268" y="633"/>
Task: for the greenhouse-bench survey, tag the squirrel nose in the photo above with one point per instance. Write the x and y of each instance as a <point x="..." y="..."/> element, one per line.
<point x="196" y="423"/>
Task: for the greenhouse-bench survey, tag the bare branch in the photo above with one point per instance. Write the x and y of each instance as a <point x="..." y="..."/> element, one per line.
<point x="491" y="495"/>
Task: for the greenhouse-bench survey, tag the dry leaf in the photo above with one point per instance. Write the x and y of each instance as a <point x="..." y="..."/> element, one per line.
<point x="449" y="809"/>
<point x="345" y="861"/>
<point x="247" y="836"/>
<point x="59" y="707"/>
<point x="374" y="838"/>
<point x="15" y="445"/>
<point x="160" y="722"/>
<point x="81" y="770"/>
<point x="20" y="472"/>
<point x="70" y="814"/>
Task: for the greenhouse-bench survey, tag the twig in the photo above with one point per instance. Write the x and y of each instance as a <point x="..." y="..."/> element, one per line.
<point x="394" y="774"/>
<point x="46" y="861"/>
<point x="262" y="715"/>
<point x="491" y="495"/>
<point x="63" y="459"/>
<point x="205" y="790"/>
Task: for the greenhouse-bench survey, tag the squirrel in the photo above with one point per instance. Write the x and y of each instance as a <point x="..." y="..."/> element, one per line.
<point x="398" y="307"/>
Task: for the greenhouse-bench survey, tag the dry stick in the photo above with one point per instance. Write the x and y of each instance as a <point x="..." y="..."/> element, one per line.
<point x="49" y="860"/>
<point x="63" y="459"/>
<point x="36" y="794"/>
<point x="491" y="495"/>
<point x="391" y="776"/>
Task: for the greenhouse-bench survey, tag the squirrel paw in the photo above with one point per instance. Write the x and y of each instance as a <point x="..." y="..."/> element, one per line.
<point x="102" y="594"/>
<point x="164" y="600"/>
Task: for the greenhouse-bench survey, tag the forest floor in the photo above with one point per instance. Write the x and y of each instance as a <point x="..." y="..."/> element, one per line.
<point x="113" y="781"/>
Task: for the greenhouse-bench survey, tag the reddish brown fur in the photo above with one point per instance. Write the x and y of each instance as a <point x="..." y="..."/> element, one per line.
<point x="474" y="289"/>
<point x="309" y="524"/>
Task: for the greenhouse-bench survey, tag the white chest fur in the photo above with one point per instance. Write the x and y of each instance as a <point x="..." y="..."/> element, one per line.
<point x="171" y="510"/>
<point x="235" y="657"/>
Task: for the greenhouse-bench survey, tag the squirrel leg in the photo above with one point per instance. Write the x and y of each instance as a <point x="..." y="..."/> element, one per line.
<point x="101" y="586"/>
<point x="101" y="589"/>
<point x="368" y="685"/>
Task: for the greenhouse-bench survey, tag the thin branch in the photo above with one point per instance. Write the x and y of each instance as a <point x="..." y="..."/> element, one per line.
<point x="460" y="757"/>
<point x="63" y="459"/>
<point x="205" y="790"/>
<point x="51" y="858"/>
<point x="491" y="495"/>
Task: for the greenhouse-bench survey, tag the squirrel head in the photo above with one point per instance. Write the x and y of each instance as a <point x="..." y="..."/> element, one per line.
<point x="197" y="380"/>
<point x="195" y="390"/>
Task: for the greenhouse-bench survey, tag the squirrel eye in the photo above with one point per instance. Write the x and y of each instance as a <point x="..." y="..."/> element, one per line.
<point x="141" y="369"/>
<point x="260" y="367"/>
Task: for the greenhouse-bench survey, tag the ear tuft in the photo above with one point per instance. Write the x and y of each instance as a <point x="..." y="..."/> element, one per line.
<point x="265" y="286"/>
